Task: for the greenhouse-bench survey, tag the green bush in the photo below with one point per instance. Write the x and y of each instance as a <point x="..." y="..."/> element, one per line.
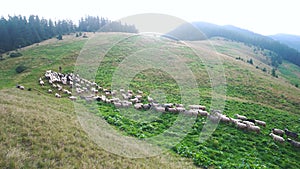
<point x="21" y="69"/>
<point x="15" y="54"/>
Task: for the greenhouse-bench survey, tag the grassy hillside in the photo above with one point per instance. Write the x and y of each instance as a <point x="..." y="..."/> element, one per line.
<point x="27" y="142"/>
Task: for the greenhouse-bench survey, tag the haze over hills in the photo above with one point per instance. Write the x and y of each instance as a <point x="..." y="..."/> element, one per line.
<point x="292" y="41"/>
<point x="282" y="51"/>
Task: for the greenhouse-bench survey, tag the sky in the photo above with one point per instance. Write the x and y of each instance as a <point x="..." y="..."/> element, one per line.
<point x="265" y="17"/>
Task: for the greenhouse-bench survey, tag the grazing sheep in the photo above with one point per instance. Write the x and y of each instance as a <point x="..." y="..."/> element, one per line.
<point x="180" y="109"/>
<point x="294" y="143"/>
<point x="197" y="107"/>
<point x="138" y="106"/>
<point x="203" y="113"/>
<point x="290" y="133"/>
<point x="57" y="95"/>
<point x="259" y="122"/>
<point x="253" y="128"/>
<point x="234" y="121"/>
<point x="150" y="100"/>
<point x="146" y="106"/>
<point x="140" y="92"/>
<point x="73" y="98"/>
<point x="135" y="100"/>
<point x="224" y="118"/>
<point x="117" y="104"/>
<point x="42" y="83"/>
<point x="278" y="131"/>
<point x="241" y="117"/>
<point x="160" y="109"/>
<point x="172" y="110"/>
<point x="248" y="122"/>
<point x="277" y="138"/>
<point x="241" y="125"/>
<point x="49" y="91"/>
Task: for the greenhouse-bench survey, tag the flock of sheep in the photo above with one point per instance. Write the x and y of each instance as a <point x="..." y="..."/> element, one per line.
<point x="90" y="91"/>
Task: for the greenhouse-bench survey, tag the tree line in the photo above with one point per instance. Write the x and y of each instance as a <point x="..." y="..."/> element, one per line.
<point x="207" y="30"/>
<point x="20" y="31"/>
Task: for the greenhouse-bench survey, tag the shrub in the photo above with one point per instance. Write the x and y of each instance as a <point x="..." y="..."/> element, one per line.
<point x="59" y="37"/>
<point x="21" y="69"/>
<point x="296" y="85"/>
<point x="15" y="54"/>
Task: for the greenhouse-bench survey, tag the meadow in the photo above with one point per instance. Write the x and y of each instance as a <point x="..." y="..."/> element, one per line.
<point x="27" y="116"/>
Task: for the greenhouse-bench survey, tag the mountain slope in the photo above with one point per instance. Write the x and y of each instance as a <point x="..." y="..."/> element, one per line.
<point x="240" y="35"/>
<point x="250" y="91"/>
<point x="292" y="41"/>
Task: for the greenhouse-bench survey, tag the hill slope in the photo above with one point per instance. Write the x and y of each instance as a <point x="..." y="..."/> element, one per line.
<point x="186" y="32"/>
<point x="292" y="41"/>
<point x="250" y="91"/>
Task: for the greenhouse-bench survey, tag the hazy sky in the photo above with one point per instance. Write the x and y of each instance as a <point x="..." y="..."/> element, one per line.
<point x="261" y="16"/>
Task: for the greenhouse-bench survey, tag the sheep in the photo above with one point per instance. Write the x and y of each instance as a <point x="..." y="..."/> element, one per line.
<point x="180" y="109"/>
<point x="290" y="133"/>
<point x="191" y="112"/>
<point x="57" y="95"/>
<point x="253" y="128"/>
<point x="172" y="110"/>
<point x="278" y="131"/>
<point x="159" y="109"/>
<point x="117" y="104"/>
<point x="259" y="122"/>
<point x="277" y="138"/>
<point x="234" y="121"/>
<point x="224" y="118"/>
<point x="49" y="91"/>
<point x="241" y="125"/>
<point x="42" y="83"/>
<point x="241" y="117"/>
<point x="138" y="106"/>
<point x="150" y="100"/>
<point x="135" y="100"/>
<point x="140" y="92"/>
<point x="203" y="113"/>
<point x="20" y="87"/>
<point x="248" y="122"/>
<point x="146" y="106"/>
<point x="197" y="107"/>
<point x="294" y="143"/>
<point x="73" y="98"/>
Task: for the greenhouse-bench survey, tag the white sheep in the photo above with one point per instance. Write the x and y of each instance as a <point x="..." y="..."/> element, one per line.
<point x="248" y="123"/>
<point x="241" y="125"/>
<point x="277" y="138"/>
<point x="73" y="98"/>
<point x="42" y="83"/>
<point x="203" y="113"/>
<point x="197" y="107"/>
<point x="259" y="122"/>
<point x="241" y="117"/>
<point x="49" y="91"/>
<point x="253" y="128"/>
<point x="57" y="95"/>
<point x="278" y="131"/>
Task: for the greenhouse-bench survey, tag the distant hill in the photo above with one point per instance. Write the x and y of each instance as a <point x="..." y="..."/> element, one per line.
<point x="240" y="35"/>
<point x="292" y="41"/>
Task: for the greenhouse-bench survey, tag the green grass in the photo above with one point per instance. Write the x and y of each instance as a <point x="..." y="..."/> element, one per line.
<point x="27" y="142"/>
<point x="290" y="72"/>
